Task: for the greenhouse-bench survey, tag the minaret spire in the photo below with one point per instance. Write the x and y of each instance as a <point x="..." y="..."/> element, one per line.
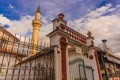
<point x="36" y="28"/>
<point x="37" y="16"/>
<point x="38" y="9"/>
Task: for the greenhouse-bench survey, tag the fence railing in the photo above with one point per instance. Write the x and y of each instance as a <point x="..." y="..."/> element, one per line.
<point x="16" y="63"/>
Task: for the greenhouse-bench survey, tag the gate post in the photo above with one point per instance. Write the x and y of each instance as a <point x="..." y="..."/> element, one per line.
<point x="61" y="60"/>
<point x="63" y="45"/>
<point x="57" y="65"/>
<point x="59" y="38"/>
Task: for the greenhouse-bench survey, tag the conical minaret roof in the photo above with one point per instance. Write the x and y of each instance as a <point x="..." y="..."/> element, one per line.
<point x="38" y="9"/>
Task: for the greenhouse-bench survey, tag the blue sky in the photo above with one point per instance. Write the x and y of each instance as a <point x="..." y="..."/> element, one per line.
<point x="101" y="17"/>
<point x="74" y="9"/>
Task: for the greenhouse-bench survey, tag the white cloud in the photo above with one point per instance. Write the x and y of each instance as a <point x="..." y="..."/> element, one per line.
<point x="24" y="25"/>
<point x="11" y="6"/>
<point x="4" y="20"/>
<point x="44" y="31"/>
<point x="21" y="26"/>
<point x="118" y="6"/>
<point x="105" y="27"/>
<point x="99" y="11"/>
<point x="102" y="27"/>
<point x="112" y="9"/>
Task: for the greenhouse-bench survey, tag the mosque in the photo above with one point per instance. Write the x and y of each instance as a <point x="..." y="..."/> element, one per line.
<point x="71" y="55"/>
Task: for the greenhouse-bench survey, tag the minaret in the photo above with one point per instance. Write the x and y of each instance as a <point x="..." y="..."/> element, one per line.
<point x="36" y="28"/>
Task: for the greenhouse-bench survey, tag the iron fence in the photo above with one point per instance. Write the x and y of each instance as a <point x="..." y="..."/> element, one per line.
<point x="17" y="63"/>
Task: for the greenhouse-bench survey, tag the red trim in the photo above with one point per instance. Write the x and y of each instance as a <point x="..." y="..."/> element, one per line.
<point x="63" y="51"/>
<point x="89" y="34"/>
<point x="98" y="66"/>
<point x="91" y="57"/>
<point x="92" y="43"/>
<point x="61" y="15"/>
<point x="62" y="26"/>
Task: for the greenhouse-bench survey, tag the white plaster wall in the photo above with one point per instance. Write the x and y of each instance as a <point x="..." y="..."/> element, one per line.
<point x="67" y="64"/>
<point x="93" y="64"/>
<point x="88" y="42"/>
<point x="58" y="66"/>
<point x="54" y="40"/>
<point x="55" y="24"/>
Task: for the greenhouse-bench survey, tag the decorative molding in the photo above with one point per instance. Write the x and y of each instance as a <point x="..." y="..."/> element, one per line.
<point x="76" y="61"/>
<point x="62" y="26"/>
<point x="91" y="57"/>
<point x="63" y="45"/>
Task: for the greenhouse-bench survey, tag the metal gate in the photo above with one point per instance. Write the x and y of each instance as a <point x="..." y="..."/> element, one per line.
<point x="87" y="74"/>
<point x="79" y="71"/>
<point x="16" y="63"/>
